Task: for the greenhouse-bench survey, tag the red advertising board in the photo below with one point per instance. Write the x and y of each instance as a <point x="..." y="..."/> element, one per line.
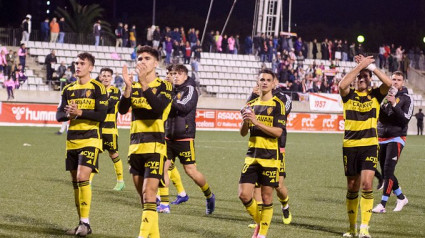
<point x="45" y="115"/>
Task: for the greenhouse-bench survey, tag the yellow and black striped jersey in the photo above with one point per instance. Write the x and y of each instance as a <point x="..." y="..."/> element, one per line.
<point x="361" y="110"/>
<point x="109" y="126"/>
<point x="150" y="110"/>
<point x="262" y="147"/>
<point x="92" y="99"/>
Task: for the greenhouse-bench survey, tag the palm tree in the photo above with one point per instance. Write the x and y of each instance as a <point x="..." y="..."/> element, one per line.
<point x="80" y="18"/>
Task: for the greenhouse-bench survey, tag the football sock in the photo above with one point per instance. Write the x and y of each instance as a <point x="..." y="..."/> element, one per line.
<point x="284" y="202"/>
<point x="164" y="195"/>
<point x="206" y="190"/>
<point x="266" y="218"/>
<point x="118" y="168"/>
<point x="177" y="180"/>
<point x="252" y="208"/>
<point x="366" y="205"/>
<point x="352" y="202"/>
<point x="399" y="194"/>
<point x="76" y="197"/>
<point x="149" y="219"/>
<point x="384" y="200"/>
<point x="85" y="199"/>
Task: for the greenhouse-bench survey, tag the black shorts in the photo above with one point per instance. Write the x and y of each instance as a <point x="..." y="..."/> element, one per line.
<point x="256" y="174"/>
<point x="184" y="150"/>
<point x="87" y="156"/>
<point x="147" y="165"/>
<point x="282" y="167"/>
<point x="359" y="158"/>
<point x="110" y="142"/>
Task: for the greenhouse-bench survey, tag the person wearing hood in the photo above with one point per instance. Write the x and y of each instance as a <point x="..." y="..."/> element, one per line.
<point x="395" y="114"/>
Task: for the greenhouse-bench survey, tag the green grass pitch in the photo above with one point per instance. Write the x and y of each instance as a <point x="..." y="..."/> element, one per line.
<point x="36" y="198"/>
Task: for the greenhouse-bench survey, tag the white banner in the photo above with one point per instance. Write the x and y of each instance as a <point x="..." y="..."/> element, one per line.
<point x="325" y="102"/>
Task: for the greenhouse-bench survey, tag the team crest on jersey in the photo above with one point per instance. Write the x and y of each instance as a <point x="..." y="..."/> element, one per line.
<point x="179" y="96"/>
<point x="88" y="93"/>
<point x="154" y="90"/>
<point x="269" y="110"/>
<point x="397" y="100"/>
<point x="369" y="97"/>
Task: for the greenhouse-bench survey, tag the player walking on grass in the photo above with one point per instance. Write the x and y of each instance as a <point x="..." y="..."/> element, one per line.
<point x="282" y="190"/>
<point x="172" y="172"/>
<point x="109" y="126"/>
<point x="150" y="100"/>
<point x="394" y="117"/>
<point x="264" y="118"/>
<point x="180" y="135"/>
<point x="360" y="144"/>
<point x="84" y="103"/>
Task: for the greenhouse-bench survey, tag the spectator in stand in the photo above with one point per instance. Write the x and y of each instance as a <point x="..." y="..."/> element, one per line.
<point x="22" y="53"/>
<point x="263" y="49"/>
<point x="192" y="37"/>
<point x="225" y="44"/>
<point x="26" y="28"/>
<point x="178" y="50"/>
<point x="314" y="49"/>
<point x="3" y="63"/>
<point x="168" y="50"/>
<point x="61" y="30"/>
<point x="324" y="49"/>
<point x="183" y="35"/>
<point x="248" y="45"/>
<point x="345" y="51"/>
<point x="156" y="38"/>
<point x="218" y="40"/>
<point x="97" y="32"/>
<point x="10" y="63"/>
<point x="360" y="49"/>
<point x="298" y="45"/>
<point x="420" y="121"/>
<point x="405" y="65"/>
<point x="132" y="37"/>
<point x="338" y="51"/>
<point x="399" y="56"/>
<point x="45" y="29"/>
<point x="237" y="45"/>
<point x="19" y="76"/>
<point x="61" y="69"/>
<point x="352" y="51"/>
<point x="331" y="54"/>
<point x="257" y="45"/>
<point x="210" y="42"/>
<point x="119" y="82"/>
<point x="197" y="49"/>
<point x="49" y="61"/>
<point x="231" y="44"/>
<point x="10" y="86"/>
<point x="300" y="59"/>
<point x="381" y="56"/>
<point x="175" y="35"/>
<point x="149" y="34"/>
<point x="187" y="53"/>
<point x="270" y="49"/>
<point x="125" y="35"/>
<point x="118" y="35"/>
<point x="54" y="30"/>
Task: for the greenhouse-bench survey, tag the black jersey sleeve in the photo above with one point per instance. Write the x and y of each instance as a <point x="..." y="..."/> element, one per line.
<point x="188" y="102"/>
<point x="158" y="102"/>
<point x="404" y="109"/>
<point x="60" y="113"/>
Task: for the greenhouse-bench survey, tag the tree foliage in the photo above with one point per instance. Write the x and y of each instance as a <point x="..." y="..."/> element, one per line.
<point x="81" y="18"/>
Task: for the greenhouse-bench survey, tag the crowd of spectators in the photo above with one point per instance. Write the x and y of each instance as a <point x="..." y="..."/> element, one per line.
<point x="12" y="71"/>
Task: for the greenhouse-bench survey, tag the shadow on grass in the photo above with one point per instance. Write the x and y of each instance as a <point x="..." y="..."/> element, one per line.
<point x="316" y="228"/>
<point x="205" y="233"/>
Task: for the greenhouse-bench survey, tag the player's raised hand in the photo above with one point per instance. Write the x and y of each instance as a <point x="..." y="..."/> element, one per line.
<point x="366" y="61"/>
<point x="127" y="78"/>
<point x="142" y="72"/>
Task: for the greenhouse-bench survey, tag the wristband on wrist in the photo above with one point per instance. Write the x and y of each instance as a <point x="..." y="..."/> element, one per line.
<point x="371" y="67"/>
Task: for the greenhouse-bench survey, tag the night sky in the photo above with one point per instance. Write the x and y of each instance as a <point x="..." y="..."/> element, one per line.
<point x="401" y="22"/>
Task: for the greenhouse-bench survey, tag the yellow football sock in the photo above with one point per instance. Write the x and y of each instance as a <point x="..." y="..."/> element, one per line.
<point x="176" y="179"/>
<point x="266" y="218"/>
<point x="118" y="168"/>
<point x="76" y="197"/>
<point x="154" y="233"/>
<point x="253" y="210"/>
<point x="366" y="205"/>
<point x="284" y="202"/>
<point x="164" y="194"/>
<point x="206" y="190"/>
<point x="149" y="219"/>
<point x="352" y="202"/>
<point x="84" y="198"/>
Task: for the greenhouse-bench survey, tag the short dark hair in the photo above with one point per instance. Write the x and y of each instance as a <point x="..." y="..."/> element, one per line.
<point x="86" y="55"/>
<point x="149" y="50"/>
<point x="180" y="68"/>
<point x="107" y="70"/>
<point x="398" y="73"/>
<point x="267" y="71"/>
<point x="367" y="71"/>
<point x="169" y="68"/>
<point x="22" y="44"/>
